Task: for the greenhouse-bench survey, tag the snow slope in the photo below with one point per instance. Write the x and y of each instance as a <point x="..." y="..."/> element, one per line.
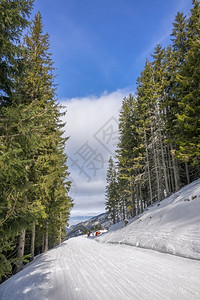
<point x="82" y="269"/>
<point x="172" y="226"/>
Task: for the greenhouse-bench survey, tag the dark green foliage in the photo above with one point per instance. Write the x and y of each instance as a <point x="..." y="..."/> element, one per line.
<point x="33" y="171"/>
<point x="129" y="154"/>
<point x="188" y="91"/>
<point x="111" y="191"/>
<point x="179" y="38"/>
<point x="159" y="129"/>
<point x="13" y="19"/>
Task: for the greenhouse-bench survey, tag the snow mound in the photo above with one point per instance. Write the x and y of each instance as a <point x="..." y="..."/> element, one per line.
<point x="171" y="226"/>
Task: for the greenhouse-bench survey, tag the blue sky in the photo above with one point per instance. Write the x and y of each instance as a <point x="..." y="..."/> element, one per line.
<point x="101" y="45"/>
<point x="99" y="48"/>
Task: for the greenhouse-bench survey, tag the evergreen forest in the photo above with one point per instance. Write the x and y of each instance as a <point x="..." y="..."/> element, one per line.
<point x="159" y="126"/>
<point x="34" y="185"/>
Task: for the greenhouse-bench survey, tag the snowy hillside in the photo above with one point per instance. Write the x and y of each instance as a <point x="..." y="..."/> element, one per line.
<point x="172" y="226"/>
<point x="101" y="220"/>
<point x="94" y="221"/>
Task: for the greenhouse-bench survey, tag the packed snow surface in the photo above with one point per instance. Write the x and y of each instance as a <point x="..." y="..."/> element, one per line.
<point x="171" y="226"/>
<point x="83" y="269"/>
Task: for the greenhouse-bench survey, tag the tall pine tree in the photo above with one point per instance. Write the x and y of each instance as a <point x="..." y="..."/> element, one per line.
<point x="111" y="191"/>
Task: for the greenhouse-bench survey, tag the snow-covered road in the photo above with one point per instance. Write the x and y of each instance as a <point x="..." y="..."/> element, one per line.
<point x="82" y="268"/>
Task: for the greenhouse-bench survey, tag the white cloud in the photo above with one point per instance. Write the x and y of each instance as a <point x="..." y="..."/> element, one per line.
<point x="91" y="206"/>
<point x="96" y="187"/>
<point x="92" y="127"/>
<point x="85" y="116"/>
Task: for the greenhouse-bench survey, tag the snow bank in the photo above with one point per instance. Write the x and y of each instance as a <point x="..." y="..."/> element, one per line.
<point x="171" y="226"/>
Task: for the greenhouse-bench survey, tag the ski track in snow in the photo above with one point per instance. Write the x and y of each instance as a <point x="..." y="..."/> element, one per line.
<point x="83" y="269"/>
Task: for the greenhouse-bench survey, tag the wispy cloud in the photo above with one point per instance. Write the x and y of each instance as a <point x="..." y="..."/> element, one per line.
<point x="166" y="25"/>
<point x="149" y="51"/>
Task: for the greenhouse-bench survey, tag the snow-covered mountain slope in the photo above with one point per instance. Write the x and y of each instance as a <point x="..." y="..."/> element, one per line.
<point x="172" y="226"/>
<point x="101" y="220"/>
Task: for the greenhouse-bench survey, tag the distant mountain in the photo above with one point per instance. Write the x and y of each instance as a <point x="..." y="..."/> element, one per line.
<point x="101" y="220"/>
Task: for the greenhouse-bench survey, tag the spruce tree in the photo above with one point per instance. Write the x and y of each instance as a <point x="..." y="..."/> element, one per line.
<point x="49" y="170"/>
<point x="129" y="154"/>
<point x="13" y="19"/>
<point x="179" y="38"/>
<point x="188" y="92"/>
<point x="148" y="110"/>
<point x="34" y="183"/>
<point x="111" y="191"/>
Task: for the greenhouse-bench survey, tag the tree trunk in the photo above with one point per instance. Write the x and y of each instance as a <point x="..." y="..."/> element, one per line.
<point x="170" y="171"/>
<point x="43" y="243"/>
<point x="187" y="172"/>
<point x="141" y="203"/>
<point x="123" y="210"/>
<point x="156" y="165"/>
<point x="60" y="235"/>
<point x="176" y="172"/>
<point x="164" y="166"/>
<point x="133" y="201"/>
<point x="138" y="198"/>
<point x="20" y="251"/>
<point x="46" y="239"/>
<point x="114" y="216"/>
<point x="33" y="241"/>
<point x="148" y="169"/>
